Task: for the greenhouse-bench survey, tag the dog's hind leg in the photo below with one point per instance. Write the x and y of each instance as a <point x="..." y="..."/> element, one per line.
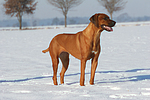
<point x="55" y="62"/>
<point x="64" y="56"/>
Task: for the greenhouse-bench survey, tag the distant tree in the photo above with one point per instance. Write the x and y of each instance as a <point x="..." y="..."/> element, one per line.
<point x="19" y="7"/>
<point x="65" y="6"/>
<point x="55" y="21"/>
<point x="112" y="5"/>
<point x="24" y="24"/>
<point x="72" y="21"/>
<point x="16" y="25"/>
<point x="34" y="23"/>
<point x="61" y="22"/>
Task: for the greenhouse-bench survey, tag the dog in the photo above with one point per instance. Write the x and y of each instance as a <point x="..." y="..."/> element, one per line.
<point x="84" y="45"/>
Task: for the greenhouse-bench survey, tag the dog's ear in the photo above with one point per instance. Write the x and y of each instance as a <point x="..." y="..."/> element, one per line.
<point x="94" y="20"/>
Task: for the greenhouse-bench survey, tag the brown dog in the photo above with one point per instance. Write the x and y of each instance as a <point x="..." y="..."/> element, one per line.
<point x="84" y="45"/>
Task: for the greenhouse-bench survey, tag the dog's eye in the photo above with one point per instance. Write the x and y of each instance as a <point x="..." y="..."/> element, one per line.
<point x="106" y="18"/>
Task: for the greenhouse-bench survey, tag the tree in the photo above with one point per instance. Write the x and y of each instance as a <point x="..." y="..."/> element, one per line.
<point x="112" y="5"/>
<point x="18" y="8"/>
<point x="55" y="21"/>
<point x="65" y="6"/>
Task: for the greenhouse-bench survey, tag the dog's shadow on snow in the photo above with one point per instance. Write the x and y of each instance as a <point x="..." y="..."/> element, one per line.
<point x="124" y="79"/>
<point x="26" y="79"/>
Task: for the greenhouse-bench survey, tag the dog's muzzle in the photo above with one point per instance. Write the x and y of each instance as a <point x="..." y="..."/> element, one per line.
<point x="109" y="27"/>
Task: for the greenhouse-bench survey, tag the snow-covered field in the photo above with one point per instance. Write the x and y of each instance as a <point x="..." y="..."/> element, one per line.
<point x="123" y="71"/>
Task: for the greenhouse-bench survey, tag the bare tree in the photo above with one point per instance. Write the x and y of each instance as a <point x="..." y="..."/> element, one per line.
<point x="19" y="7"/>
<point x="112" y="5"/>
<point x="65" y="6"/>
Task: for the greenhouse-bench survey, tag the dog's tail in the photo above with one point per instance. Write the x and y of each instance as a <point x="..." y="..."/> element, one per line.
<point x="44" y="51"/>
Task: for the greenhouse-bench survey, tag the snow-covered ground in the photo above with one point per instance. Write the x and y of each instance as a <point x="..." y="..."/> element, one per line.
<point x="123" y="71"/>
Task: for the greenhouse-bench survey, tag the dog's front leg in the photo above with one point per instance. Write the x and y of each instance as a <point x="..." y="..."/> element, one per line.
<point x="93" y="69"/>
<point x="82" y="76"/>
<point x="94" y="66"/>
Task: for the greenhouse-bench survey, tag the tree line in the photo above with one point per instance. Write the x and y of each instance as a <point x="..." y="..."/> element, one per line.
<point x="18" y="8"/>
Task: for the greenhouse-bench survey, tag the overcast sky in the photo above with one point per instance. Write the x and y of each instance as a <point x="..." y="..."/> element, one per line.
<point x="135" y="8"/>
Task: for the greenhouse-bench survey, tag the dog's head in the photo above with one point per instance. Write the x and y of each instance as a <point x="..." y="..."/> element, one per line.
<point x="102" y="21"/>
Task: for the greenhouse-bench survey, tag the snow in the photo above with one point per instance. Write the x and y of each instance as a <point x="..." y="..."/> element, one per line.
<point x="123" y="71"/>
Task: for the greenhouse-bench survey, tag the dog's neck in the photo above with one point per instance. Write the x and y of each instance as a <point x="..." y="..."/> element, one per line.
<point x="93" y="33"/>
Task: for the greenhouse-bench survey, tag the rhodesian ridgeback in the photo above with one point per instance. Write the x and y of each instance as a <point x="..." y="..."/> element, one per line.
<point x="84" y="45"/>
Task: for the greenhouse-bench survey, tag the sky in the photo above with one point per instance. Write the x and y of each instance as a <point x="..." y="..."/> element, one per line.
<point x="134" y="8"/>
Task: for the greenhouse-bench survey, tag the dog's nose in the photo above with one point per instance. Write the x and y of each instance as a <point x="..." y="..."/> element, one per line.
<point x="112" y="23"/>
